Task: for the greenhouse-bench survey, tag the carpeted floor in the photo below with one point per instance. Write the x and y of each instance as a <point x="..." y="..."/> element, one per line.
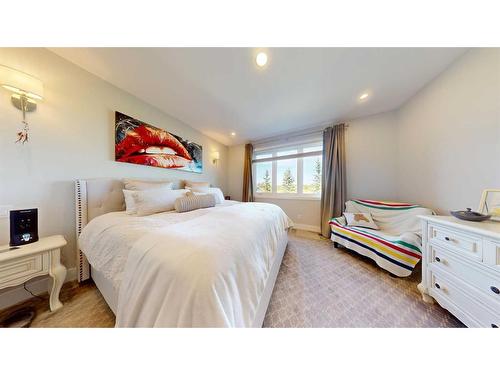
<point x="317" y="286"/>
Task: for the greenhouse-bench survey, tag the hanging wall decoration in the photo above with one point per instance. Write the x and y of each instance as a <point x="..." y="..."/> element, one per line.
<point x="140" y="143"/>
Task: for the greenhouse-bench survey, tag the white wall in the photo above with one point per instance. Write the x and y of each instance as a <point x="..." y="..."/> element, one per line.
<point x="371" y="168"/>
<point x="371" y="156"/>
<point x="449" y="135"/>
<point x="72" y="136"/>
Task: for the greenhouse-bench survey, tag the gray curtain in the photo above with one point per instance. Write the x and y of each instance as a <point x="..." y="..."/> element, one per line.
<point x="247" y="195"/>
<point x="333" y="178"/>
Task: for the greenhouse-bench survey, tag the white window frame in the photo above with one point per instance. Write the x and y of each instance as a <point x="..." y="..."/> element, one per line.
<point x="299" y="156"/>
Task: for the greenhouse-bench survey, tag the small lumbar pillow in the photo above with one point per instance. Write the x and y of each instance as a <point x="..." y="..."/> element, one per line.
<point x="148" y="202"/>
<point x="360" y="219"/>
<point x="146" y="184"/>
<point x="198" y="187"/>
<point x="193" y="202"/>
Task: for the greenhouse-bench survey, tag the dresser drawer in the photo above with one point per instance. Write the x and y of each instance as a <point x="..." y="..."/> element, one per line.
<point x="468" y="245"/>
<point x="452" y="294"/>
<point x="474" y="274"/>
<point x="19" y="270"/>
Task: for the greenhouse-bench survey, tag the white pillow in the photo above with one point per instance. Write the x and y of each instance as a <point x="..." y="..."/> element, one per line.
<point x="219" y="195"/>
<point x="146" y="184"/>
<point x="148" y="202"/>
<point x="360" y="219"/>
<point x="130" y="206"/>
<point x="216" y="192"/>
<point x="198" y="187"/>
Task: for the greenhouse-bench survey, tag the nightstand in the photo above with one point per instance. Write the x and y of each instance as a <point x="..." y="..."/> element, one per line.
<point x="23" y="263"/>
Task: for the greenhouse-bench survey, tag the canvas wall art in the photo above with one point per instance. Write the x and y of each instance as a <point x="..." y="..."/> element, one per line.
<point x="140" y="143"/>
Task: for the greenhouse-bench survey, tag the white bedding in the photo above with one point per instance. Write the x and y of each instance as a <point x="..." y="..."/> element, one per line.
<point x="204" y="268"/>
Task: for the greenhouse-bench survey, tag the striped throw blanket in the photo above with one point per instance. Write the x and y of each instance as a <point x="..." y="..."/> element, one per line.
<point x="396" y="247"/>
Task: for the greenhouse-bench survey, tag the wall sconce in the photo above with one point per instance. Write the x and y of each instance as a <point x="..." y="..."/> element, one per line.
<point x="216" y="157"/>
<point x="26" y="90"/>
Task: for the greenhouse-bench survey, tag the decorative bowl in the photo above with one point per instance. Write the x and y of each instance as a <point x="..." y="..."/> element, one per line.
<point x="470" y="215"/>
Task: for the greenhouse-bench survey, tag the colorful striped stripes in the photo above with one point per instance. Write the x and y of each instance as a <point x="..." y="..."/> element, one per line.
<point x="394" y="252"/>
<point x="385" y="205"/>
<point x="380" y="254"/>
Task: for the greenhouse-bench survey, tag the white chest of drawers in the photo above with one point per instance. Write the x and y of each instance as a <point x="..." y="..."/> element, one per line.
<point x="461" y="268"/>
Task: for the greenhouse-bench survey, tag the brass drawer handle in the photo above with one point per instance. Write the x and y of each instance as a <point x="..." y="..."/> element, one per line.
<point x="495" y="290"/>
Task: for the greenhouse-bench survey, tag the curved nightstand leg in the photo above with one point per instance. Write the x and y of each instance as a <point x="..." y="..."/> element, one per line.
<point x="58" y="274"/>
<point x="423" y="290"/>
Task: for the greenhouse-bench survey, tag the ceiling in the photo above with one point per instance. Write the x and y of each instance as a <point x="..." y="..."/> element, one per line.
<point x="222" y="90"/>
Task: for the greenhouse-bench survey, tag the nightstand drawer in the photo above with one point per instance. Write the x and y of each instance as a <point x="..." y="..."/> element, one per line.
<point x="19" y="270"/>
<point x="464" y="244"/>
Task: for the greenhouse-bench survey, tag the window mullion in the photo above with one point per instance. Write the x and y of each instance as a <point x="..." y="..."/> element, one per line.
<point x="300" y="174"/>
<point x="275" y="176"/>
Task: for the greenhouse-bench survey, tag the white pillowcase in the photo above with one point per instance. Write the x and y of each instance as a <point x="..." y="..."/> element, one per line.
<point x="219" y="195"/>
<point x="216" y="192"/>
<point x="152" y="201"/>
<point x="360" y="219"/>
<point x="130" y="206"/>
<point x="146" y="184"/>
<point x="198" y="187"/>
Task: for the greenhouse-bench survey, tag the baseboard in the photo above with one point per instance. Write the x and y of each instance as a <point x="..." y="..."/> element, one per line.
<point x="309" y="228"/>
<point x="17" y="294"/>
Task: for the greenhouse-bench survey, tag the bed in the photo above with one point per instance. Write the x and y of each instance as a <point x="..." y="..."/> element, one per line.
<point x="212" y="267"/>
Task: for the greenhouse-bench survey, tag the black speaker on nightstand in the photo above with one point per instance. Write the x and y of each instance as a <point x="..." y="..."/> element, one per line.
<point x="23" y="226"/>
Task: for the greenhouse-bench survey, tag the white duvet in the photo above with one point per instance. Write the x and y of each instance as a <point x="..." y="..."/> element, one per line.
<point x="204" y="268"/>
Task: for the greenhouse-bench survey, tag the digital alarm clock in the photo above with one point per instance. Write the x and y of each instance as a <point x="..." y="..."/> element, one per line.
<point x="23" y="226"/>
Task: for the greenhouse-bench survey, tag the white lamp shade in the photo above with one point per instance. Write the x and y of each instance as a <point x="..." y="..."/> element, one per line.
<point x="216" y="155"/>
<point x="21" y="83"/>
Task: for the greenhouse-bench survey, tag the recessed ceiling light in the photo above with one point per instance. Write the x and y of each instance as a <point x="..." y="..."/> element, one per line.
<point x="233" y="134"/>
<point x="261" y="59"/>
<point x="363" y="96"/>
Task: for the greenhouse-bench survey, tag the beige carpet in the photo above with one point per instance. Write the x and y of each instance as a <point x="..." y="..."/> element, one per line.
<point x="317" y="286"/>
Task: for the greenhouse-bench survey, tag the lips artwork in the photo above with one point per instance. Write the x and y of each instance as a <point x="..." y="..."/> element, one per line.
<point x="139" y="143"/>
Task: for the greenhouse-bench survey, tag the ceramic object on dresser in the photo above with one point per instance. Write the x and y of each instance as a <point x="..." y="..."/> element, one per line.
<point x="470" y="215"/>
<point x="22" y="263"/>
<point x="461" y="268"/>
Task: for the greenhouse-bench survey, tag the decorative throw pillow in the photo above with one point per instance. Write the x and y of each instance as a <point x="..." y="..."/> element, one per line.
<point x="194" y="202"/>
<point x="360" y="219"/>
<point x="146" y="184"/>
<point x="148" y="202"/>
<point x="198" y="187"/>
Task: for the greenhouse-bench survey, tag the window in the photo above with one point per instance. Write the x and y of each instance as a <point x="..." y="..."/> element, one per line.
<point x="289" y="172"/>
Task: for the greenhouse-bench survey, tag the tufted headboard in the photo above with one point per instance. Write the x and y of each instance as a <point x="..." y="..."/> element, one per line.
<point x="94" y="197"/>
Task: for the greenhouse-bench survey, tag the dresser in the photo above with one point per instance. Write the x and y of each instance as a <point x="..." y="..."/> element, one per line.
<point x="461" y="268"/>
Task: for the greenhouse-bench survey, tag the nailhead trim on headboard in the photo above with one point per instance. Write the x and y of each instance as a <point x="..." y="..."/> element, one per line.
<point x="81" y="220"/>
